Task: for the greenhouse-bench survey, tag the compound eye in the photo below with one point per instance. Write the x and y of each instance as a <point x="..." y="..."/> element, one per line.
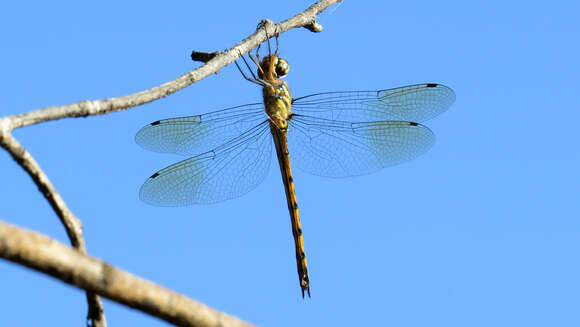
<point x="282" y="67"/>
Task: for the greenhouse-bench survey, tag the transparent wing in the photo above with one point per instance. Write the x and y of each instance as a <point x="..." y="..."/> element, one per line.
<point x="340" y="149"/>
<point x="197" y="134"/>
<point x="416" y="103"/>
<point x="229" y="171"/>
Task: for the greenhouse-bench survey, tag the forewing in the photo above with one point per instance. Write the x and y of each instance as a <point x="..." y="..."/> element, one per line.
<point x="416" y="103"/>
<point x="229" y="171"/>
<point x="340" y="149"/>
<point x="197" y="134"/>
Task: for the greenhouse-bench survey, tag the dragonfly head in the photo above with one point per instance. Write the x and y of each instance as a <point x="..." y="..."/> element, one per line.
<point x="273" y="67"/>
<point x="282" y="67"/>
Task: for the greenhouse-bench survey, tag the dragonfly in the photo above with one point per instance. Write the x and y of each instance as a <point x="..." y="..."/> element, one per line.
<point x="331" y="134"/>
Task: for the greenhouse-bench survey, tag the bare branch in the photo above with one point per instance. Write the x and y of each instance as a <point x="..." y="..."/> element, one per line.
<point x="46" y="255"/>
<point x="213" y="63"/>
<point x="85" y="108"/>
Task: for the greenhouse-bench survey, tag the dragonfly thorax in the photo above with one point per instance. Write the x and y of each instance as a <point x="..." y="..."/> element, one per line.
<point x="278" y="103"/>
<point x="277" y="97"/>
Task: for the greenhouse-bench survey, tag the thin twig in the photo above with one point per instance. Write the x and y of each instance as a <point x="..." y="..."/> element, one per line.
<point x="85" y="108"/>
<point x="73" y="225"/>
<point x="203" y="56"/>
<point x="51" y="257"/>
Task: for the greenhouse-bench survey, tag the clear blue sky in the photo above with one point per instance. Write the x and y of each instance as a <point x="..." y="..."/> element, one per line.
<point x="482" y="230"/>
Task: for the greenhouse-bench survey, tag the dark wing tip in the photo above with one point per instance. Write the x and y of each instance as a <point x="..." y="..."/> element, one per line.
<point x="432" y="84"/>
<point x="155" y="123"/>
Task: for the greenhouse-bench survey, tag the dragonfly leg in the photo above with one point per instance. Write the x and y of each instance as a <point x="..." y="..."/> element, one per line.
<point x="249" y="68"/>
<point x="264" y="24"/>
<point x="254" y="78"/>
<point x="268" y="40"/>
<point x="276" y="35"/>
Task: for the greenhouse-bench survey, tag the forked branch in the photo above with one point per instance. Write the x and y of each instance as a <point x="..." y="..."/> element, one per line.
<point x="73" y="226"/>
<point x="306" y="19"/>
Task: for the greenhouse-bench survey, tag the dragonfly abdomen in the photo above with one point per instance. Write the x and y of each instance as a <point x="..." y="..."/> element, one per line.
<point x="281" y="142"/>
